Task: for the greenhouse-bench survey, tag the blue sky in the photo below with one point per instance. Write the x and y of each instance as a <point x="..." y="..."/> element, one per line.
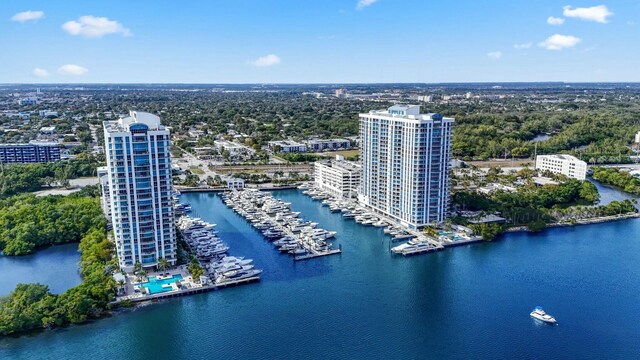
<point x="318" y="41"/>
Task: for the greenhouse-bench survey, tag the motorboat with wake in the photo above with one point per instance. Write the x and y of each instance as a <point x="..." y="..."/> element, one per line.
<point x="539" y="314"/>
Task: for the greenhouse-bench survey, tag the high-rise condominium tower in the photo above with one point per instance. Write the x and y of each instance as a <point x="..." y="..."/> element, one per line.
<point x="140" y="189"/>
<point x="405" y="159"/>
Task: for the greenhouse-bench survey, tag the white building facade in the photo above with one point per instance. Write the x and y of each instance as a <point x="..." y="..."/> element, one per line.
<point x="140" y="189"/>
<point x="338" y="177"/>
<point x="405" y="158"/>
<point x="233" y="182"/>
<point x="287" y="146"/>
<point x="327" y="144"/>
<point x="567" y="165"/>
<point x="105" y="198"/>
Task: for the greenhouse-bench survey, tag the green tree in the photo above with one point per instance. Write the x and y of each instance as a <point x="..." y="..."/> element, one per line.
<point x="139" y="271"/>
<point x="195" y="269"/>
<point x="163" y="264"/>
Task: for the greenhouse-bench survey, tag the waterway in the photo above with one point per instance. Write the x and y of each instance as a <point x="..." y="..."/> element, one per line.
<point x="56" y="266"/>
<point x="609" y="193"/>
<point x="471" y="301"/>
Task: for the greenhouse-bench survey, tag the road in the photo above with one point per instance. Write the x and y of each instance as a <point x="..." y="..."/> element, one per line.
<point x="188" y="160"/>
<point x="516" y="163"/>
<point x="300" y="168"/>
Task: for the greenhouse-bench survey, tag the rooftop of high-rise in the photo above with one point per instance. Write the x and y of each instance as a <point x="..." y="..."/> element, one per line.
<point x="407" y="111"/>
<point x="135" y="117"/>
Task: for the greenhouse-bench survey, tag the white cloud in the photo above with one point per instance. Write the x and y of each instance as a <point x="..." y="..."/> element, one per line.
<point x="28" y="16"/>
<point x="523" y="46"/>
<point x="267" y="60"/>
<point x="495" y="55"/>
<point x="71" y="69"/>
<point x="555" y="20"/>
<point x="364" y="3"/>
<point x="39" y="72"/>
<point x="94" y="27"/>
<point x="559" y="42"/>
<point x="598" y="13"/>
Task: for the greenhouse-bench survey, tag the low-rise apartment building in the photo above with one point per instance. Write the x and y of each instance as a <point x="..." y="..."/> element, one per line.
<point x="33" y="152"/>
<point x="338" y="177"/>
<point x="567" y="165"/>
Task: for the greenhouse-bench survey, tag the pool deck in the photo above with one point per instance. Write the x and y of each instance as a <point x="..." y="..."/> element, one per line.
<point x="196" y="289"/>
<point x="189" y="286"/>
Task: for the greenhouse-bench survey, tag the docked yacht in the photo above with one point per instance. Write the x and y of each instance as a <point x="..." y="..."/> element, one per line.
<point x="238" y="275"/>
<point x="539" y="314"/>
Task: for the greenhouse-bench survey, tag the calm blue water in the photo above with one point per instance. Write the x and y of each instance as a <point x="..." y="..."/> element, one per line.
<point x="610" y="193"/>
<point x="56" y="266"/>
<point x="466" y="302"/>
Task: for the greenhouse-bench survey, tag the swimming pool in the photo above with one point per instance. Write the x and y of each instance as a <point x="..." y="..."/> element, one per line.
<point x="451" y="236"/>
<point x="155" y="286"/>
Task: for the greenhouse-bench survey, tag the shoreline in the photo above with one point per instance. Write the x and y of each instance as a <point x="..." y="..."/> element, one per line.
<point x="591" y="221"/>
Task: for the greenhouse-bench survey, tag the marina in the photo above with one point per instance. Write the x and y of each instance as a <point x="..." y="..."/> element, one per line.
<point x="221" y="269"/>
<point x="284" y="228"/>
<point x="211" y="253"/>
<point x="420" y="301"/>
<point x="418" y="242"/>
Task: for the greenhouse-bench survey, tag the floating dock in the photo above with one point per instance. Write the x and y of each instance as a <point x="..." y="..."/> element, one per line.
<point x="264" y="208"/>
<point x="315" y="255"/>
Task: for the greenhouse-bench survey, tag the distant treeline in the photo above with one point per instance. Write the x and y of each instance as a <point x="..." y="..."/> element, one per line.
<point x="600" y="137"/>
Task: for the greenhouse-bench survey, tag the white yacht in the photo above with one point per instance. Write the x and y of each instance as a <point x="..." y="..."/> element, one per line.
<point x="539" y="314"/>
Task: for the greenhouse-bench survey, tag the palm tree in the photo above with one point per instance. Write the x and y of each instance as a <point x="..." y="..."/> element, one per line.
<point x="163" y="264"/>
<point x="121" y="284"/>
<point x="139" y="271"/>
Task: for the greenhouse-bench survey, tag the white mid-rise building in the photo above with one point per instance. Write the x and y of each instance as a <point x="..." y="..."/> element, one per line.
<point x="233" y="148"/>
<point x="140" y="189"/>
<point x="567" y="165"/>
<point x="405" y="158"/>
<point x="338" y="177"/>
<point x="287" y="146"/>
<point x="233" y="182"/>
<point x="327" y="144"/>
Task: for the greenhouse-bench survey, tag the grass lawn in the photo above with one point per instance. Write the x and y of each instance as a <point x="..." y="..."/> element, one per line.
<point x="196" y="170"/>
<point x="345" y="153"/>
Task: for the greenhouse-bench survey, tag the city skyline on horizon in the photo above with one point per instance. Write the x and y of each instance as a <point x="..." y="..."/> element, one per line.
<point x="318" y="42"/>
